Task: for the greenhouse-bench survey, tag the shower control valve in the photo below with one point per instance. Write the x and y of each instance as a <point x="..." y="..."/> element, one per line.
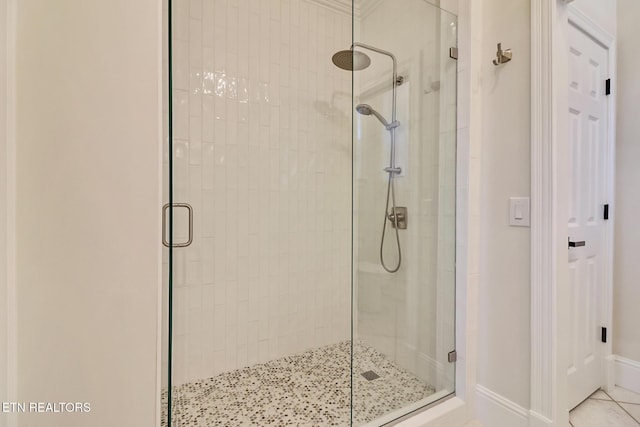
<point x="398" y="216"/>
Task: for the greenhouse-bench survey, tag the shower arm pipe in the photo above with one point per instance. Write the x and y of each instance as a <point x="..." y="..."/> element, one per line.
<point x="394" y="84"/>
<point x="395" y="70"/>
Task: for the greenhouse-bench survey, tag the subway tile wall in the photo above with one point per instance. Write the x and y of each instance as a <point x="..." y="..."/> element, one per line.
<point x="262" y="151"/>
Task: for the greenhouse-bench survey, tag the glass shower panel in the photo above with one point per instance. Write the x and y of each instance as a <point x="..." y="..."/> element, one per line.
<point x="404" y="320"/>
<point x="166" y="187"/>
<point x="261" y="149"/>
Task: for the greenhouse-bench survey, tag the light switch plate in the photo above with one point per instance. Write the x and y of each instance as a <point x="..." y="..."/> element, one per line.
<point x="519" y="212"/>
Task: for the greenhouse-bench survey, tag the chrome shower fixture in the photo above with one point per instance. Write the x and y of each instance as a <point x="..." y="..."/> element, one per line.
<point x="367" y="110"/>
<point x="352" y="60"/>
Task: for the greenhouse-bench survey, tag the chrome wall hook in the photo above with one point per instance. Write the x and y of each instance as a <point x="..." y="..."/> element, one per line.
<point x="502" y="56"/>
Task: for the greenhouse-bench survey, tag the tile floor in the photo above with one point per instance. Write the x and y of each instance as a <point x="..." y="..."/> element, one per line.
<point x="309" y="389"/>
<point x="618" y="408"/>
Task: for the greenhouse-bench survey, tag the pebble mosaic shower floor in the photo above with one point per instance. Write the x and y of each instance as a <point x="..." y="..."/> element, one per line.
<point x="311" y="389"/>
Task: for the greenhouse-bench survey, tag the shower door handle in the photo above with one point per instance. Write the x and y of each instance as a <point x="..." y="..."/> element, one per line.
<point x="164" y="225"/>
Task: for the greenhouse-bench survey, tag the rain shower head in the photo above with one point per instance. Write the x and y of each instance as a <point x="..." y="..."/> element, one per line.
<point x="367" y="110"/>
<point x="351" y="60"/>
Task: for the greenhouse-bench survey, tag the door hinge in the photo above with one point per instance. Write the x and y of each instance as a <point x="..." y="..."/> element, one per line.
<point x="608" y="87"/>
<point x="453" y="356"/>
<point x="453" y="53"/>
<point x="603" y="336"/>
<point x="605" y="215"/>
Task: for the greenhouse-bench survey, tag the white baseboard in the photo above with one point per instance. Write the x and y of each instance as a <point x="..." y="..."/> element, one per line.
<point x="627" y="374"/>
<point x="537" y="420"/>
<point x="494" y="410"/>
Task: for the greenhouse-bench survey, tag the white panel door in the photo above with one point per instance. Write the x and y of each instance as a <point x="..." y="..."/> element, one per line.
<point x="588" y="69"/>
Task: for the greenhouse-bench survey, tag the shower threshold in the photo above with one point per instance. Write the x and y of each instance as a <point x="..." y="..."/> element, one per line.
<point x="309" y="389"/>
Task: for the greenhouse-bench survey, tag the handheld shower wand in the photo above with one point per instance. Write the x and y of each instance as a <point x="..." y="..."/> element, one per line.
<point x="367" y="110"/>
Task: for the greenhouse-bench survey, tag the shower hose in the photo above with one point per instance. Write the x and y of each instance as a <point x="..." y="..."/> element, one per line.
<point x="390" y="192"/>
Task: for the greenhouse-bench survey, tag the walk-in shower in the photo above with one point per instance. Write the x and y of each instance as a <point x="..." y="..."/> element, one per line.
<point x="281" y="309"/>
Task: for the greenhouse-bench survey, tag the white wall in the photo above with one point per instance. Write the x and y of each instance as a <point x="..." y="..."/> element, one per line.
<point x="504" y="294"/>
<point x="626" y="317"/>
<point x="3" y="204"/>
<point x="262" y="150"/>
<point x="88" y="254"/>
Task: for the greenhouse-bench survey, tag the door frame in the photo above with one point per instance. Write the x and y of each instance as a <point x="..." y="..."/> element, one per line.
<point x="550" y="347"/>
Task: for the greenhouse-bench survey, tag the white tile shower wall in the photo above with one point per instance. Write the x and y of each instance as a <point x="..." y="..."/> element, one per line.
<point x="409" y="315"/>
<point x="262" y="151"/>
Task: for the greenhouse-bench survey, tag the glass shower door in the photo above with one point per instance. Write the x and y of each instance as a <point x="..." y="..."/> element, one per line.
<point x="261" y="149"/>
